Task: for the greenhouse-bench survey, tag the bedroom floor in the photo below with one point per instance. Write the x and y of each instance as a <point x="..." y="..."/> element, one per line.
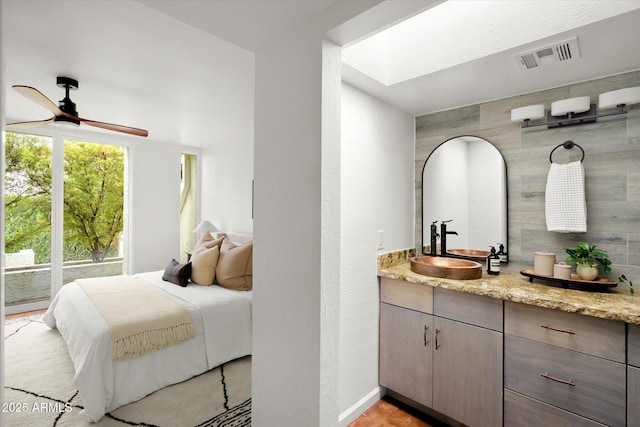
<point x="28" y="313"/>
<point x="385" y="412"/>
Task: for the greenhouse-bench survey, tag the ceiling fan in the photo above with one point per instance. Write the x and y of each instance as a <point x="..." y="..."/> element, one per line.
<point x="65" y="112"/>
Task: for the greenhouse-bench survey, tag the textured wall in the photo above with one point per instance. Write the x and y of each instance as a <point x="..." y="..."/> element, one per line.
<point x="612" y="167"/>
<point x="377" y="143"/>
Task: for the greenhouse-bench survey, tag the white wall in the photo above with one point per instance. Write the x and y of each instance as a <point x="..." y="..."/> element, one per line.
<point x="225" y="187"/>
<point x="377" y="194"/>
<point x="287" y="247"/>
<point x="226" y="176"/>
<point x="226" y="164"/>
<point x="296" y="376"/>
<point x="155" y="205"/>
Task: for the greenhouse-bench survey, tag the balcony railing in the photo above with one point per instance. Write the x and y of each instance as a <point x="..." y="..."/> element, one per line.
<point x="33" y="283"/>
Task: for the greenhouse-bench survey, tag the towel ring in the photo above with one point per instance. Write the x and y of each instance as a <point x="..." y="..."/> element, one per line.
<point x="568" y="145"/>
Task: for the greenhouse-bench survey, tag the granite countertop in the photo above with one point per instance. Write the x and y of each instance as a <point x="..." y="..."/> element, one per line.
<point x="612" y="303"/>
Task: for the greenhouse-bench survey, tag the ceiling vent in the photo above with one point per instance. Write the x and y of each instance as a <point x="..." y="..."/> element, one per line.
<point x="557" y="52"/>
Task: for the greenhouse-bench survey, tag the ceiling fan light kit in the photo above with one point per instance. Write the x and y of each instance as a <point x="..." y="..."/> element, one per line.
<point x="67" y="122"/>
<point x="65" y="113"/>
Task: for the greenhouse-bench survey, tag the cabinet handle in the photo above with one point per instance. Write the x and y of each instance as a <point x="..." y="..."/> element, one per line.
<point x="557" y="330"/>
<point x="549" y="377"/>
<point x="426" y="341"/>
<point x="437" y="343"/>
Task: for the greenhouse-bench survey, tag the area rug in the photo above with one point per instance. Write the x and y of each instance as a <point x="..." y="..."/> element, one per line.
<point x="39" y="390"/>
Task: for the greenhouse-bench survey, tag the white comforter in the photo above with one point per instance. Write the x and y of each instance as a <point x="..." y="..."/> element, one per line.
<point x="221" y="316"/>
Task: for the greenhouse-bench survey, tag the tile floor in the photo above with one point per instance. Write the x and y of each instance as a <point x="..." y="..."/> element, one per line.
<point x="389" y="412"/>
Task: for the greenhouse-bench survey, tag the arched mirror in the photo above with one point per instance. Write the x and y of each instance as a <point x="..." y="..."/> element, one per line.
<point x="464" y="181"/>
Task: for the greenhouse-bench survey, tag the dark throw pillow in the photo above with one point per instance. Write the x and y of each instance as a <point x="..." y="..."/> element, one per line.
<point x="177" y="273"/>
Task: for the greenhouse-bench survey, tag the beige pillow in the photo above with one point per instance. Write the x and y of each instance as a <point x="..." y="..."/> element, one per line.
<point x="207" y="240"/>
<point x="235" y="266"/>
<point x="203" y="265"/>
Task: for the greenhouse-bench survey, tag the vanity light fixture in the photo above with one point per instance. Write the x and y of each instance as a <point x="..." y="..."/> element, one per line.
<point x="577" y="111"/>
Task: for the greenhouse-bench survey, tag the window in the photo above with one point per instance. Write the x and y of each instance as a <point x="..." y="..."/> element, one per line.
<point x="188" y="207"/>
<point x="64" y="215"/>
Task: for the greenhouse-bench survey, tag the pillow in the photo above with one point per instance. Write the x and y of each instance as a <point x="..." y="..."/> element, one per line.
<point x="177" y="273"/>
<point x="235" y="266"/>
<point x="203" y="265"/>
<point x="207" y="240"/>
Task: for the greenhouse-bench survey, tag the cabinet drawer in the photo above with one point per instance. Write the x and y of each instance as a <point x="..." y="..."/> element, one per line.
<point x="476" y="310"/>
<point x="586" y="334"/>
<point x="633" y="343"/>
<point x="586" y="385"/>
<point x="522" y="411"/>
<point x="406" y="294"/>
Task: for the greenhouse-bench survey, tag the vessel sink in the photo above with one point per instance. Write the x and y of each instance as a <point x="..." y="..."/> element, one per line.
<point x="447" y="268"/>
<point x="473" y="254"/>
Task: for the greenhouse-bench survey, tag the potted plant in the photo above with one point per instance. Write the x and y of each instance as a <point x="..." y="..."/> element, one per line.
<point x="588" y="258"/>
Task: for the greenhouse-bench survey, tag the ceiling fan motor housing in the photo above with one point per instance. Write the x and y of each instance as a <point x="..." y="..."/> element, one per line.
<point x="67" y="82"/>
<point x="66" y="105"/>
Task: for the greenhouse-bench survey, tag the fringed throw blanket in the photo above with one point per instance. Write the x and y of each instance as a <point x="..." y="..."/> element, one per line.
<point x="141" y="319"/>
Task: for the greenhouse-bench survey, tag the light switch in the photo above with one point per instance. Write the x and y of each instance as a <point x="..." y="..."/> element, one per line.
<point x="380" y="239"/>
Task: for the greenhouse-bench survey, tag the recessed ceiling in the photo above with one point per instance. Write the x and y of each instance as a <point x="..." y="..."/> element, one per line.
<point x="435" y="66"/>
<point x="459" y="31"/>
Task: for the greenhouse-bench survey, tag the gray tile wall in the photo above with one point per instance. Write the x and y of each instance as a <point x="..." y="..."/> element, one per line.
<point x="612" y="167"/>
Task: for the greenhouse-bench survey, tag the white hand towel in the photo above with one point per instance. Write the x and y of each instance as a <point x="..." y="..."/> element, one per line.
<point x="565" y="204"/>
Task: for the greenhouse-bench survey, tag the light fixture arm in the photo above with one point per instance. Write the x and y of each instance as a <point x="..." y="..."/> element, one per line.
<point x="574" y="118"/>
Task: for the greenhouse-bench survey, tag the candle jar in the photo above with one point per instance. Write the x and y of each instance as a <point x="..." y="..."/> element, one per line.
<point x="543" y="263"/>
<point x="562" y="271"/>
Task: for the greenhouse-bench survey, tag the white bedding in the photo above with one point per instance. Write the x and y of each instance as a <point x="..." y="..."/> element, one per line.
<point x="222" y="318"/>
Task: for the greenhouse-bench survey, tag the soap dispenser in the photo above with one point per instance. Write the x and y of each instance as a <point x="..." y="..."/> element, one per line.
<point x="493" y="262"/>
<point x="501" y="253"/>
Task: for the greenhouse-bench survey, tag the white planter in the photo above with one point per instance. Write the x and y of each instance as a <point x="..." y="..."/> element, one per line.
<point x="587" y="272"/>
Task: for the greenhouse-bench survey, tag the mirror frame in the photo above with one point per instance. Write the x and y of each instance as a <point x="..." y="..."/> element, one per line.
<point x="506" y="193"/>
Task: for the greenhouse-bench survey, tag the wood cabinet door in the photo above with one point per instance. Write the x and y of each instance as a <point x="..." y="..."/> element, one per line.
<point x="633" y="396"/>
<point x="467" y="373"/>
<point x="633" y="346"/>
<point x="405" y="352"/>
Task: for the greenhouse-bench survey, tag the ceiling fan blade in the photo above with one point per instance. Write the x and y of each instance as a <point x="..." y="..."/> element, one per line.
<point x="116" y="128"/>
<point x="30" y="124"/>
<point x="36" y="96"/>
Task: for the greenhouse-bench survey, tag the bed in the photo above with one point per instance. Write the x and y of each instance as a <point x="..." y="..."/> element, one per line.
<point x="222" y="321"/>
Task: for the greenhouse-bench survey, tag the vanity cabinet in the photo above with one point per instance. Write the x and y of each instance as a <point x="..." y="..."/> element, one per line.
<point x="567" y="366"/>
<point x="406" y="327"/>
<point x="443" y="349"/>
<point x="467" y="360"/>
<point x="633" y="375"/>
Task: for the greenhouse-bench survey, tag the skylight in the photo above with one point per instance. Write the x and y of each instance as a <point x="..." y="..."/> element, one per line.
<point x="458" y="31"/>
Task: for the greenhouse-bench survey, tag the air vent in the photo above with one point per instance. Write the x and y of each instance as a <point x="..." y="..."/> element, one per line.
<point x="557" y="52"/>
